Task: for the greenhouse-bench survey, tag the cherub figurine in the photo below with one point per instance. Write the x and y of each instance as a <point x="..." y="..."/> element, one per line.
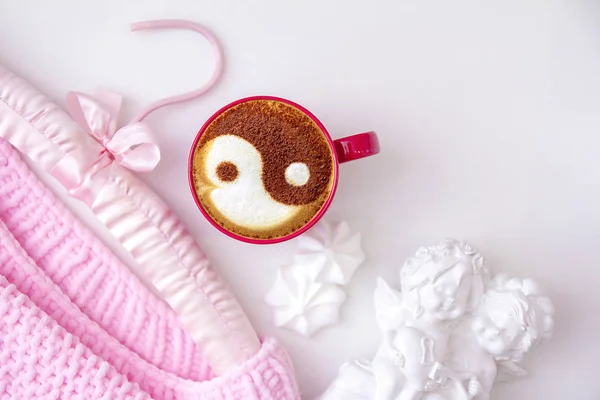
<point x="438" y="286"/>
<point x="513" y="317"/>
<point x="450" y="333"/>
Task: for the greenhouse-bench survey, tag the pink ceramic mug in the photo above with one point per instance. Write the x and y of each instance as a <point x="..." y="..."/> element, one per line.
<point x="343" y="150"/>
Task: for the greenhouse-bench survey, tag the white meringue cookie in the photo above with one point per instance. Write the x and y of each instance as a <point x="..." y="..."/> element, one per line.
<point x="308" y="293"/>
<point x="301" y="304"/>
<point x="330" y="252"/>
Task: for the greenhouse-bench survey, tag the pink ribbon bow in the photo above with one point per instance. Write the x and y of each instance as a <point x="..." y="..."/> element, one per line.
<point x="84" y="170"/>
<point x="131" y="146"/>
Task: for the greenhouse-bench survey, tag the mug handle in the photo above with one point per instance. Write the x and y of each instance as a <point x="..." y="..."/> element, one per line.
<point x="356" y="146"/>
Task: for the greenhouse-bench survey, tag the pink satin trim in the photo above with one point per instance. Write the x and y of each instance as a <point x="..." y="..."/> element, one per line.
<point x="83" y="160"/>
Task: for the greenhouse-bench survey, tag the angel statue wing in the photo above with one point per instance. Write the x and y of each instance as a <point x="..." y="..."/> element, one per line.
<point x="389" y="311"/>
<point x="509" y="371"/>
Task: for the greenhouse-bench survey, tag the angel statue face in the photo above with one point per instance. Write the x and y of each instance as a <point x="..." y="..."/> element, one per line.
<point x="512" y="318"/>
<point x="498" y="330"/>
<point x="443" y="282"/>
<point x="445" y="297"/>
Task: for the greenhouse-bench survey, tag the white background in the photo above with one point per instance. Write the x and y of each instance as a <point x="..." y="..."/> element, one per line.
<point x="488" y="114"/>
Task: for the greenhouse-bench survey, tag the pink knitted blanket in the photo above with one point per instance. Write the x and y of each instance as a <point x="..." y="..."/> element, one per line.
<point x="75" y="323"/>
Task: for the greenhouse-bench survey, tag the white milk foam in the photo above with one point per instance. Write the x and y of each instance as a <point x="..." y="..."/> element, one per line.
<point x="244" y="201"/>
<point x="297" y="174"/>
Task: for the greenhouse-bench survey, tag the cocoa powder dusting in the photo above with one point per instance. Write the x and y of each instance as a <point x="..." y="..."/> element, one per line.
<point x="282" y="135"/>
<point x="227" y="171"/>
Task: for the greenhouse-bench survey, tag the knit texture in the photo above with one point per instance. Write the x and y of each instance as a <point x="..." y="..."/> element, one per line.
<point x="40" y="360"/>
<point x="76" y="323"/>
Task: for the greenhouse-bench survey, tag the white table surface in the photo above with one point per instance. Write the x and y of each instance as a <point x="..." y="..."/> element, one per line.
<point x="488" y="114"/>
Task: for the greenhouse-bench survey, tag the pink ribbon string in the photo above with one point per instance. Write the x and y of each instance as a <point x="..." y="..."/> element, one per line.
<point x="218" y="54"/>
<point x="132" y="146"/>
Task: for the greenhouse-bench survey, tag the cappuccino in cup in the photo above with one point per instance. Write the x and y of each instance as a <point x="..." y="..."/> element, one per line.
<point x="262" y="169"/>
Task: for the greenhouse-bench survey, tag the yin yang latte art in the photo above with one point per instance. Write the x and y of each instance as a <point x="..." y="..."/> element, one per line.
<point x="263" y="169"/>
